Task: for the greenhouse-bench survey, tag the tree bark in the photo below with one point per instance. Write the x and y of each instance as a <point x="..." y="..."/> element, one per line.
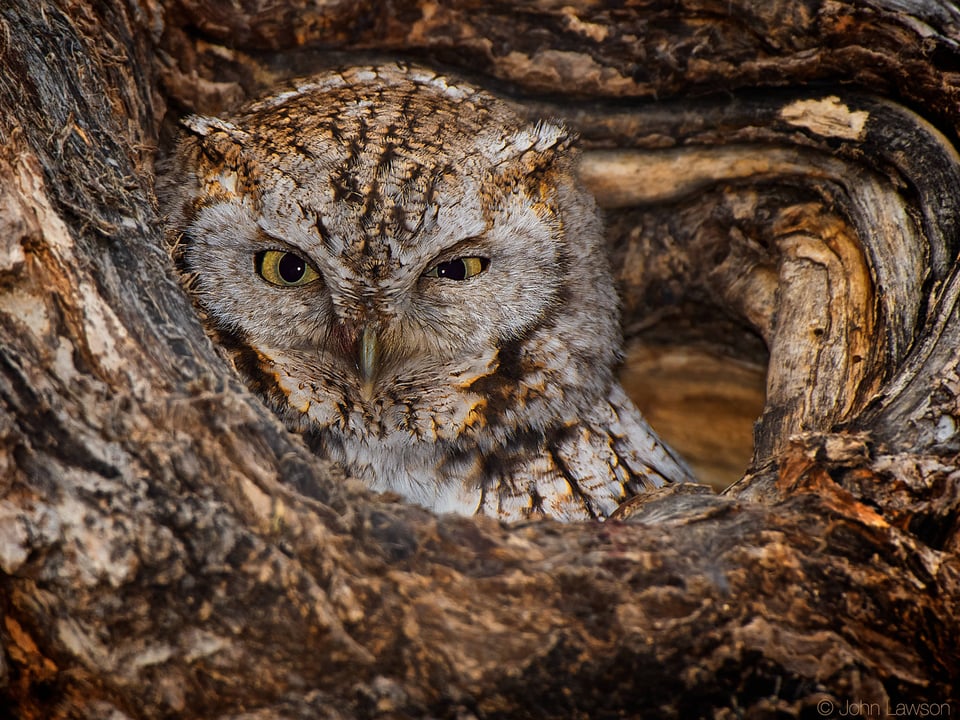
<point x="779" y="180"/>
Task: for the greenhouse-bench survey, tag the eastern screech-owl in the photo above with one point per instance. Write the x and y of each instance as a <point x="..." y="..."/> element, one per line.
<point x="412" y="277"/>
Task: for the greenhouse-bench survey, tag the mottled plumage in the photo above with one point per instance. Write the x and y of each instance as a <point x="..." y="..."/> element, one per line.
<point x="412" y="277"/>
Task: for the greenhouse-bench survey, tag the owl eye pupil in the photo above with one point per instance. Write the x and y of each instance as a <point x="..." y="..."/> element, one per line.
<point x="459" y="269"/>
<point x="291" y="268"/>
<point x="285" y="269"/>
<point x="453" y="270"/>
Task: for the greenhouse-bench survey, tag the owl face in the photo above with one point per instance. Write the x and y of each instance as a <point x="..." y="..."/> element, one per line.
<point x="397" y="263"/>
<point x="379" y="319"/>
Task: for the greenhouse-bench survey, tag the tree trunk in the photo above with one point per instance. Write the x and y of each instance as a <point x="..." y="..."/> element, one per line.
<point x="780" y="183"/>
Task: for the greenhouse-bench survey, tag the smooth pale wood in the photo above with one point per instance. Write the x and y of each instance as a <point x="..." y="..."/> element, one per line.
<point x="702" y="403"/>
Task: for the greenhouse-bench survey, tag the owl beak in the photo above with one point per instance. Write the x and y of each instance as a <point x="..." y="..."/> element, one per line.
<point x="369" y="360"/>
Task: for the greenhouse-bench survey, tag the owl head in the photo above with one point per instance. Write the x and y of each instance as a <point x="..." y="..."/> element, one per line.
<point x="396" y="261"/>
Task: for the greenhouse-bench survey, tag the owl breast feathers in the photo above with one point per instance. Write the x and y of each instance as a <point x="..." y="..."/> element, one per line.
<point x="410" y="275"/>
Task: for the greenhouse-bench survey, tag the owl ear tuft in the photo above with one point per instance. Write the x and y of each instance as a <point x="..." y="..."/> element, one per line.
<point x="526" y="155"/>
<point x="220" y="141"/>
<point x="205" y="125"/>
<point x="539" y="137"/>
<point x="533" y="146"/>
<point x="550" y="136"/>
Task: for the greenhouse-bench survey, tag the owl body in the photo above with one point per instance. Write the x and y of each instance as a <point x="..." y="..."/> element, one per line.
<point x="412" y="277"/>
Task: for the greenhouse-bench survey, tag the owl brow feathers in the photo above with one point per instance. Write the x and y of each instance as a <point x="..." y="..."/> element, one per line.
<point x="411" y="275"/>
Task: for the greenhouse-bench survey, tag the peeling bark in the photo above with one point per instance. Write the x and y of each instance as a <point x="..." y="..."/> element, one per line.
<point x="779" y="181"/>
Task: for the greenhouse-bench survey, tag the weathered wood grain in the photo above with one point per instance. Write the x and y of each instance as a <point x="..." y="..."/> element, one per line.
<point x="783" y="168"/>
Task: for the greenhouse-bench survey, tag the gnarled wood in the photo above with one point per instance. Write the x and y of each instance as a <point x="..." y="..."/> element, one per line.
<point x="772" y="169"/>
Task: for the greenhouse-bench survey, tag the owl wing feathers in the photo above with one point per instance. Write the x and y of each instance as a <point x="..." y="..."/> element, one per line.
<point x="650" y="461"/>
<point x="588" y="469"/>
<point x="374" y="178"/>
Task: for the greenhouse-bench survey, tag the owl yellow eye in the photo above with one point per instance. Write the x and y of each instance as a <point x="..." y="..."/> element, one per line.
<point x="459" y="269"/>
<point x="286" y="269"/>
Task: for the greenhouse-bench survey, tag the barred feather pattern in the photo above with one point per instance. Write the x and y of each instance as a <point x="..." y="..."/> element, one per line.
<point x="412" y="277"/>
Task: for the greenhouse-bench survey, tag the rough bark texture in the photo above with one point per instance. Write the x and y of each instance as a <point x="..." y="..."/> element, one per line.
<point x="780" y="181"/>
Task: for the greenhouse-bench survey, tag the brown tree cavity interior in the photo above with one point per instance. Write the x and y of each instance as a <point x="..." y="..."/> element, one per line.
<point x="779" y="185"/>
